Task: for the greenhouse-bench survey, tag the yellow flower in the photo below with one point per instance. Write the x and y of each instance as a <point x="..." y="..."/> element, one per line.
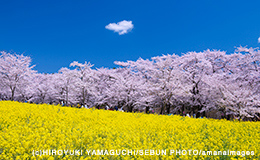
<point x="30" y="131"/>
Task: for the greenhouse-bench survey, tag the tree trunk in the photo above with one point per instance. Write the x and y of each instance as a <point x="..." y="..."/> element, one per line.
<point x="130" y="108"/>
<point x="12" y="98"/>
<point x="163" y="108"/>
<point x="67" y="96"/>
<point x="83" y="95"/>
<point x="147" y="109"/>
<point x="168" y="109"/>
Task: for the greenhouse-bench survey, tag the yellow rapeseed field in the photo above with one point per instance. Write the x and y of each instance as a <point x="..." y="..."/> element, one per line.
<point x="30" y="131"/>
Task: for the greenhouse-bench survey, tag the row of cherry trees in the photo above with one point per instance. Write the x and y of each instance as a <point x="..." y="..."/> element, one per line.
<point x="195" y="83"/>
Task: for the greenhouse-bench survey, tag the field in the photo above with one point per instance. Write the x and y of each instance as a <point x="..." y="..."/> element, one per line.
<point x="26" y="130"/>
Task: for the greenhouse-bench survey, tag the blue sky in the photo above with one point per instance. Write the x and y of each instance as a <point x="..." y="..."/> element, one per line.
<point x="55" y="33"/>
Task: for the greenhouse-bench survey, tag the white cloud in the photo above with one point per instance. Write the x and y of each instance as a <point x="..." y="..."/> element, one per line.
<point x="121" y="28"/>
<point x="259" y="40"/>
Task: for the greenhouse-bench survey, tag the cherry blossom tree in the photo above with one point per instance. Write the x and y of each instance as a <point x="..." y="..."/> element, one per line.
<point x="84" y="83"/>
<point x="105" y="95"/>
<point x="201" y="69"/>
<point x="64" y="86"/>
<point x="161" y="81"/>
<point x="14" y="70"/>
<point x="195" y="82"/>
<point x="43" y="88"/>
<point x="240" y="84"/>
